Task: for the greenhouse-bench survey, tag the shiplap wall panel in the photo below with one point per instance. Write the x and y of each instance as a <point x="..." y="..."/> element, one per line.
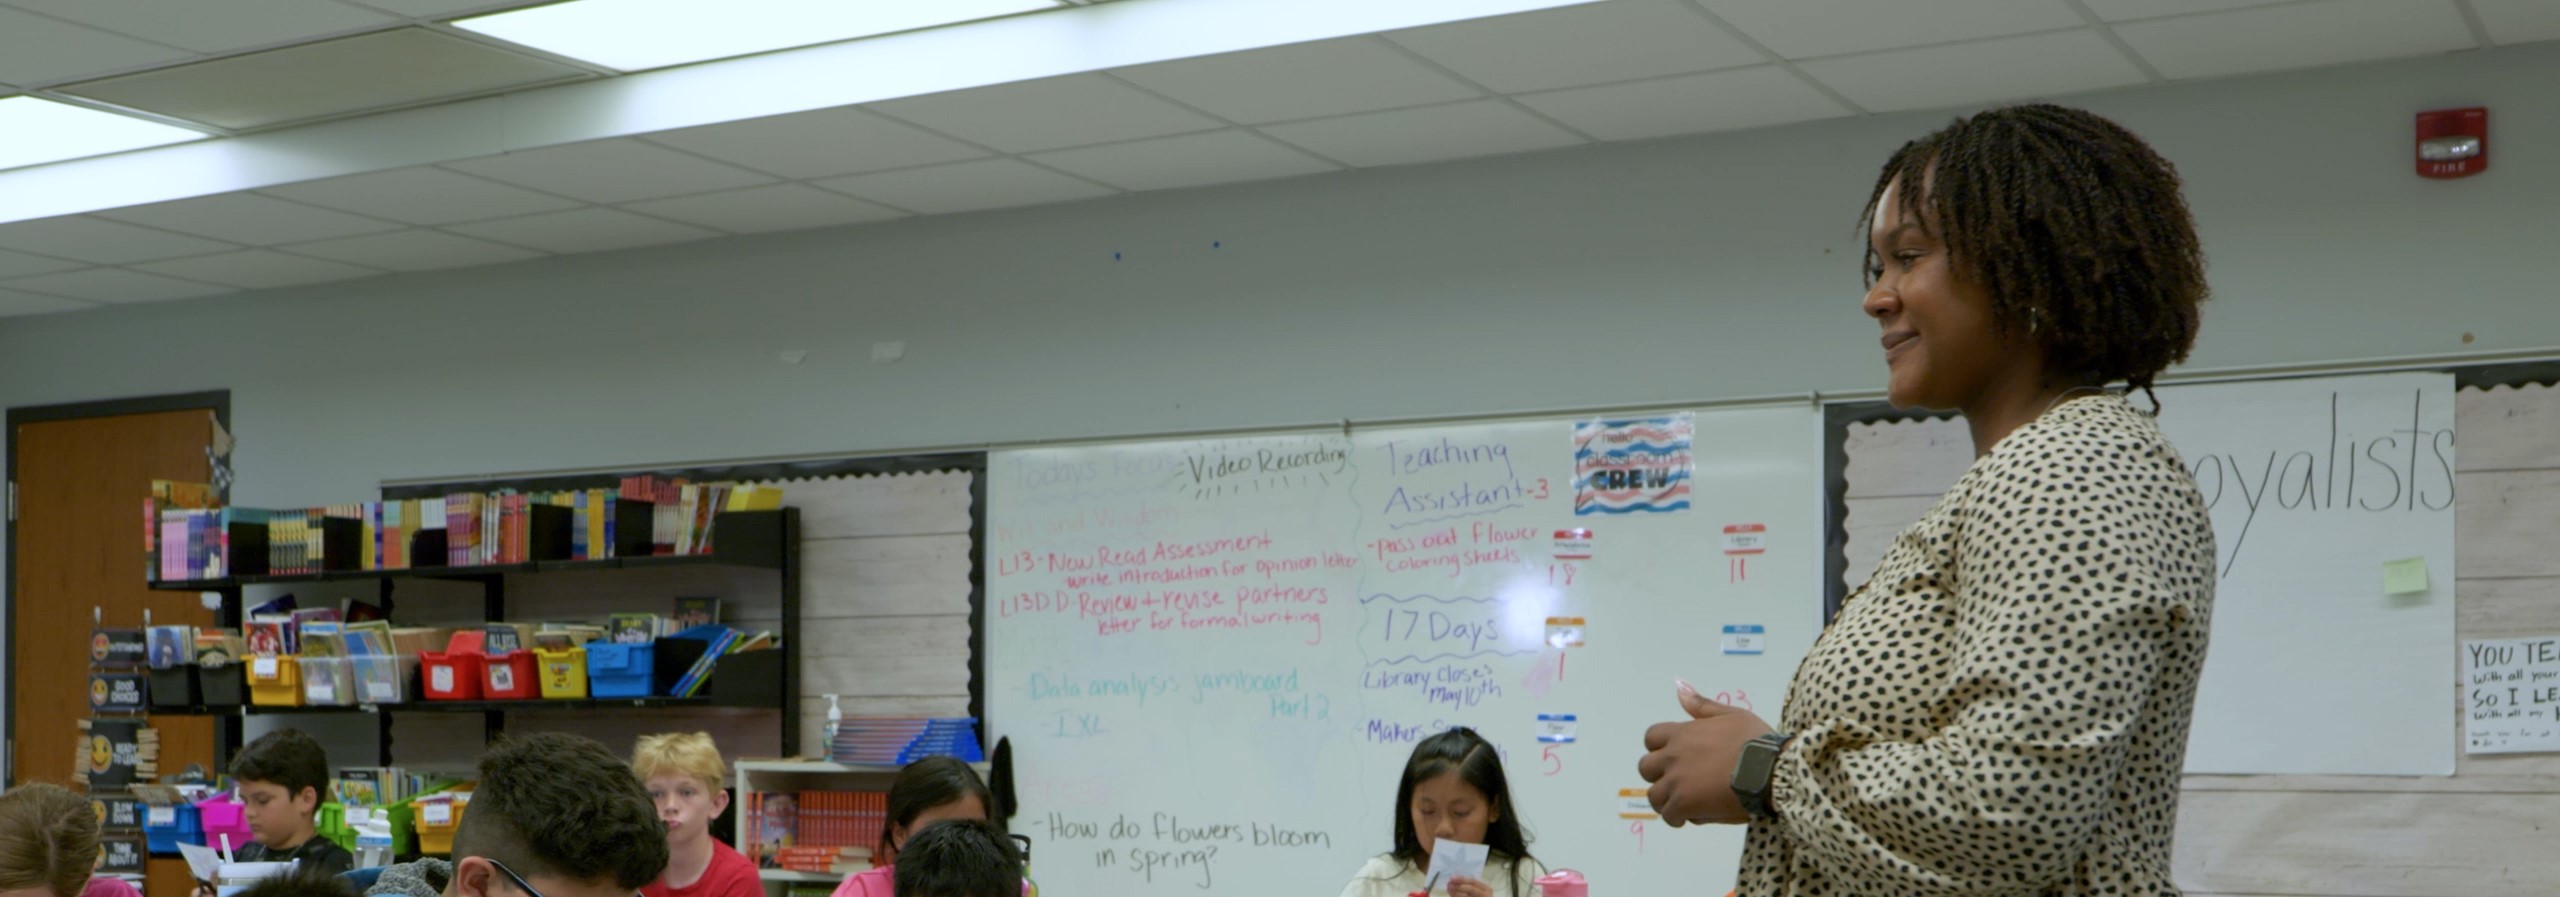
<point x="2369" y="844"/>
<point x="887" y="576"/>
<point x="2490" y="829"/>
<point x="2507" y="524"/>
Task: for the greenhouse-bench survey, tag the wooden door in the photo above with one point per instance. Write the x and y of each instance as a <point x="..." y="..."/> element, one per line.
<point x="81" y="485"/>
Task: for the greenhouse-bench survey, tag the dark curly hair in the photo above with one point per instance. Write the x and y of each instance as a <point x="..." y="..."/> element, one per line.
<point x="958" y="858"/>
<point x="286" y="758"/>
<point x="562" y="806"/>
<point x="2075" y="228"/>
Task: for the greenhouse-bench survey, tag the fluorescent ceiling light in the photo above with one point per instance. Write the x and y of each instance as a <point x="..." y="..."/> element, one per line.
<point x="631" y="35"/>
<point x="35" y="131"/>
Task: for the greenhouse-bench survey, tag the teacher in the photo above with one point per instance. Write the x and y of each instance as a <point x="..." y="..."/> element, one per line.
<point x="2002" y="708"/>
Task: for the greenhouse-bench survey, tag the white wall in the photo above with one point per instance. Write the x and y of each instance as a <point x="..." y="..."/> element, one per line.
<point x="1683" y="269"/>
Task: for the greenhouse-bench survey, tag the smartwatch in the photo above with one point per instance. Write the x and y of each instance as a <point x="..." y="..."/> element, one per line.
<point x="1753" y="780"/>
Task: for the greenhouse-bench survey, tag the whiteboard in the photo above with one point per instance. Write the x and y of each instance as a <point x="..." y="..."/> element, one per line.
<point x="1213" y="658"/>
<point x="2313" y="485"/>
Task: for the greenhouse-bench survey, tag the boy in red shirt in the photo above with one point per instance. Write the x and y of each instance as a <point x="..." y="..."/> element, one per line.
<point x="684" y="773"/>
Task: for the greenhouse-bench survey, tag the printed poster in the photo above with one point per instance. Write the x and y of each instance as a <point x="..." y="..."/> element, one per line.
<point x="1635" y="466"/>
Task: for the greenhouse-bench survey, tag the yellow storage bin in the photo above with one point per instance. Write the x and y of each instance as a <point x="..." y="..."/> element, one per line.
<point x="564" y="673"/>
<point x="437" y="815"/>
<point x="275" y="682"/>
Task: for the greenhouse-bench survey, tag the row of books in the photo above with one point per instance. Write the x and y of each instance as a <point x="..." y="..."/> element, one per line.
<point x="899" y="740"/>
<point x="682" y="513"/>
<point x="187" y="532"/>
<point x="377" y="786"/>
<point x="814" y="831"/>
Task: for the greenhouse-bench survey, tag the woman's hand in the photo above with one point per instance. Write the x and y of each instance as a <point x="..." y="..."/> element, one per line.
<point x="1689" y="763"/>
<point x="1467" y="886"/>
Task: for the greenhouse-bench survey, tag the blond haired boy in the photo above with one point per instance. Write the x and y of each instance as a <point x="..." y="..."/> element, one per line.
<point x="684" y="773"/>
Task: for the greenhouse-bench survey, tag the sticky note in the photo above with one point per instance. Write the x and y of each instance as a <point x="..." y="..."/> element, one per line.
<point x="2404" y="577"/>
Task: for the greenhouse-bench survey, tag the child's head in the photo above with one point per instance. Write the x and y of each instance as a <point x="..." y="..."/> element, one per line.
<point x="556" y="815"/>
<point x="683" y="774"/>
<point x="929" y="791"/>
<point x="958" y="858"/>
<point x="48" y="841"/>
<point x="1454" y="790"/>
<point x="302" y="882"/>
<point x="283" y="775"/>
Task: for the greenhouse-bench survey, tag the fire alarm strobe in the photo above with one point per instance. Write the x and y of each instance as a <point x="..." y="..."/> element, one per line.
<point x="2452" y="143"/>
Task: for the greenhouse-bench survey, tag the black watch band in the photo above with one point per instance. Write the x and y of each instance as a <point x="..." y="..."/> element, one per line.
<point x="1753" y="779"/>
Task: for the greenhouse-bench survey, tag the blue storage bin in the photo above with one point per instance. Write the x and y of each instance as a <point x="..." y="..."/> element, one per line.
<point x="164" y="828"/>
<point x="619" y="670"/>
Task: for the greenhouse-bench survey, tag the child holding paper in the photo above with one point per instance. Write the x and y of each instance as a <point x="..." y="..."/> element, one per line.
<point x="1453" y="791"/>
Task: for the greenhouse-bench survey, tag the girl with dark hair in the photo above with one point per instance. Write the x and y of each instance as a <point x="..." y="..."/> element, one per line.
<point x="930" y="790"/>
<point x="2003" y="707"/>
<point x="1452" y="790"/>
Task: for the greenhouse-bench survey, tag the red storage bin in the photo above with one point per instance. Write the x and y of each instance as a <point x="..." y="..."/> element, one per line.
<point x="511" y="677"/>
<point x="457" y="673"/>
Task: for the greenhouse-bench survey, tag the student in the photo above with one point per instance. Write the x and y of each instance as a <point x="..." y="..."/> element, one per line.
<point x="300" y="883"/>
<point x="2004" y="705"/>
<point x="282" y="776"/>
<point x="927" y="791"/>
<point x="1452" y="790"/>
<point x="684" y="774"/>
<point x="49" y="844"/>
<point x="959" y="858"/>
<point x="553" y="815"/>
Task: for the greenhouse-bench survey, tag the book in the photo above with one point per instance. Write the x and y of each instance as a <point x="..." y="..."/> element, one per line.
<point x="702" y="669"/>
<point x="267" y="637"/>
<point x="693" y="612"/>
<point x="751" y="497"/>
<point x="632" y="629"/>
<point x="762" y="641"/>
<point x="360" y="787"/>
<point x="217" y="648"/>
<point x="500" y="638"/>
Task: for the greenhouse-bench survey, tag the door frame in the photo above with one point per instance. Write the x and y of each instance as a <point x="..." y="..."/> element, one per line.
<point x="219" y="401"/>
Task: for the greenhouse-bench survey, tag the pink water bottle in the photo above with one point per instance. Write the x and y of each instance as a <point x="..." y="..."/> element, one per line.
<point x="1563" y="883"/>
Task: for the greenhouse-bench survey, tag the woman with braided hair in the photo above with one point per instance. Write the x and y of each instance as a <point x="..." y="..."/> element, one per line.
<point x="2003" y="707"/>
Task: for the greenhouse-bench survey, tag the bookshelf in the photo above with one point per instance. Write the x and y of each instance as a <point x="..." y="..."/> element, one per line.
<point x="754" y="776"/>
<point x="754" y="682"/>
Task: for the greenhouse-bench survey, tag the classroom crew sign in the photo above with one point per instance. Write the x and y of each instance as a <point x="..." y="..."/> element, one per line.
<point x="1635" y="466"/>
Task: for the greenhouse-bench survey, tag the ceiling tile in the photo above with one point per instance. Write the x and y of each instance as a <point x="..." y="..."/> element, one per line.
<point x="113" y="285"/>
<point x="2008" y="68"/>
<point x="1802" y="29"/>
<point x="1720" y="101"/>
<point x="37" y="50"/>
<point x="2518" y="21"/>
<point x="2302" y="35"/>
<point x="213" y="27"/>
<point x="1300" y="81"/>
<point x="1577" y="46"/>
<point x="14" y="303"/>
<point x="1193" y="160"/>
<point x="413" y="250"/>
<point x="257" y="269"/>
<point x="2127" y="10"/>
<point x="966" y="187"/>
<point x="1049" y="114"/>
<point x="426" y="196"/>
<point x="584" y="230"/>
<point x="819" y="144"/>
<point x="771" y="208"/>
<point x="249" y="218"/>
<point x="100" y="241"/>
<point x="367" y="72"/>
<point x="19" y="264"/>
<point x="612" y="171"/>
<point x="1405" y="136"/>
